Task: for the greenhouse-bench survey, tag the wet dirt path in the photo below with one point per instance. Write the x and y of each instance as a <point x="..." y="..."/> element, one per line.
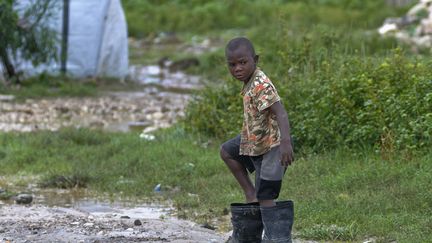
<point x="38" y="223"/>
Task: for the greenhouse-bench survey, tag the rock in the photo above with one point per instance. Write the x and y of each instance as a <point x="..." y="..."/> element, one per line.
<point x="124" y="217"/>
<point x="157" y="115"/>
<point x="183" y="64"/>
<point x="23" y="198"/>
<point x="137" y="222"/>
<point x="88" y="224"/>
<point x="208" y="226"/>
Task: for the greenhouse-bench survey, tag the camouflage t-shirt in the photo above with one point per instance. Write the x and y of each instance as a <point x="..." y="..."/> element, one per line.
<point x="260" y="130"/>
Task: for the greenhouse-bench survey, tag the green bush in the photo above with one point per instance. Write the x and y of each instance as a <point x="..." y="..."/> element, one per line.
<point x="386" y="104"/>
<point x="216" y="112"/>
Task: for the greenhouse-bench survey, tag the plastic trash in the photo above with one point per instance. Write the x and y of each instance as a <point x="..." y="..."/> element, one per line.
<point x="157" y="188"/>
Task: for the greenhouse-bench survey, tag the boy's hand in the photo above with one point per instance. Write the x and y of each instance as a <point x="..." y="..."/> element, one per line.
<point x="287" y="155"/>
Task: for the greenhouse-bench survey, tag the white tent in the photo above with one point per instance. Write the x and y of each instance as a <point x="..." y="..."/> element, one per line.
<point x="97" y="43"/>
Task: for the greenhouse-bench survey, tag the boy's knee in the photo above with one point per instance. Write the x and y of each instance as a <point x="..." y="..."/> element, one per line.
<point x="223" y="154"/>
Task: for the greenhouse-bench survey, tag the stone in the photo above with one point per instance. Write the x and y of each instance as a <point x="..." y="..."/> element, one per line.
<point x="23" y="198"/>
<point x="137" y="222"/>
<point x="88" y="224"/>
<point x="183" y="64"/>
<point x="157" y="115"/>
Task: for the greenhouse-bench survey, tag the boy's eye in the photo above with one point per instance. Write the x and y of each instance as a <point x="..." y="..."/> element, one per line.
<point x="242" y="62"/>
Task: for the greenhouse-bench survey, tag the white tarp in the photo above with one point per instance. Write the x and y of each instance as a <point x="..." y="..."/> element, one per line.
<point x="97" y="40"/>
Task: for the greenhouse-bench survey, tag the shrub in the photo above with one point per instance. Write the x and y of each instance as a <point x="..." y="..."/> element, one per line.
<point x="216" y="111"/>
<point x="384" y="104"/>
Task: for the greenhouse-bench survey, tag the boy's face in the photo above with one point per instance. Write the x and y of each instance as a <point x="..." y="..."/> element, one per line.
<point x="241" y="63"/>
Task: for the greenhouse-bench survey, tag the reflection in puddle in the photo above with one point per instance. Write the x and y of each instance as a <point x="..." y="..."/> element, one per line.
<point x="163" y="78"/>
<point x="119" y="210"/>
<point x="82" y="200"/>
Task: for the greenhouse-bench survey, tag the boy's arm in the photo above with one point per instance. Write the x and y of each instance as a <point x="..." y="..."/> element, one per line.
<point x="287" y="155"/>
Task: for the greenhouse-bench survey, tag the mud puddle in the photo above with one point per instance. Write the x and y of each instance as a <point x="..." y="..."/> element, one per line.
<point x="57" y="215"/>
<point x="38" y="223"/>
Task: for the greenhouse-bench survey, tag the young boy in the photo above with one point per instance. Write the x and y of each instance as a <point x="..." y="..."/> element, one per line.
<point x="264" y="146"/>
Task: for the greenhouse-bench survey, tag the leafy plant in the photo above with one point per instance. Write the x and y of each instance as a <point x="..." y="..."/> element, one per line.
<point x="26" y="34"/>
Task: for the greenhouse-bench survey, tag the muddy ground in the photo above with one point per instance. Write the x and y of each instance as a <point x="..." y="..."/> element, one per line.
<point x="38" y="223"/>
<point x="159" y="103"/>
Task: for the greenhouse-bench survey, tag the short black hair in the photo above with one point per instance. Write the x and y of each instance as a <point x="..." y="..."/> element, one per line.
<point x="238" y="42"/>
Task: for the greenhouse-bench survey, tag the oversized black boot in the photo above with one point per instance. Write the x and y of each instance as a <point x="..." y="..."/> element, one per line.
<point x="247" y="223"/>
<point x="278" y="222"/>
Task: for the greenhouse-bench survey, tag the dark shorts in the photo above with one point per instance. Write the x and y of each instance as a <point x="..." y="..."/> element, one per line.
<point x="268" y="169"/>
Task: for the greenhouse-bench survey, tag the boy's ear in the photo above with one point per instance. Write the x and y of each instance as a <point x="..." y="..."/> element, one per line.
<point x="256" y="58"/>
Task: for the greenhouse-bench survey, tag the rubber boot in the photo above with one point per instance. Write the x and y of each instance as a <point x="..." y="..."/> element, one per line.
<point x="247" y="223"/>
<point x="278" y="222"/>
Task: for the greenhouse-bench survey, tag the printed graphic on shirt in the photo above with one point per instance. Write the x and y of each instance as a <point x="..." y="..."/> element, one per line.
<point x="260" y="130"/>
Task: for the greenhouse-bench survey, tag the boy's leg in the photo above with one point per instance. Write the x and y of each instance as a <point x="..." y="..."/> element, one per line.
<point x="238" y="164"/>
<point x="267" y="203"/>
<point x="268" y="176"/>
<point x="245" y="217"/>
<point x="277" y="217"/>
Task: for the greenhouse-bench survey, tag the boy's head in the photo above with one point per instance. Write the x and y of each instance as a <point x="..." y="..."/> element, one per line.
<point x="241" y="58"/>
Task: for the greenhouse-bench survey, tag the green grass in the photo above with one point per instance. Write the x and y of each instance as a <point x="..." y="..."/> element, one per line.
<point x="339" y="196"/>
<point x="147" y="17"/>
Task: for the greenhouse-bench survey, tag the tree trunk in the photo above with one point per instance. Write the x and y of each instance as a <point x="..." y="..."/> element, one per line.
<point x="11" y="74"/>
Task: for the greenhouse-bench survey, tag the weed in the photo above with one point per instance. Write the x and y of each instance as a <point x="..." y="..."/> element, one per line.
<point x="331" y="232"/>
